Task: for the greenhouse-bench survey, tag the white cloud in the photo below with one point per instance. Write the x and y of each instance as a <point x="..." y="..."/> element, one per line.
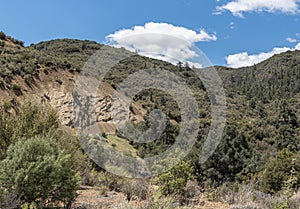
<point x="291" y="40"/>
<point x="237" y="7"/>
<point x="161" y="41"/>
<point x="231" y="25"/>
<point x="244" y="59"/>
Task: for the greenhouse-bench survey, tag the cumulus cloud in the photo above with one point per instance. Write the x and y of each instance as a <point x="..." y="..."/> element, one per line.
<point x="237" y="7"/>
<point x="291" y="40"/>
<point x="244" y="59"/>
<point x="160" y="41"/>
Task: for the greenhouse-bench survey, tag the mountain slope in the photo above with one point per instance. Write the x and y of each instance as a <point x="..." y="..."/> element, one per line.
<point x="263" y="100"/>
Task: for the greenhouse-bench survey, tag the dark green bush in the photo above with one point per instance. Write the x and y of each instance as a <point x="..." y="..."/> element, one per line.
<point x="174" y="181"/>
<point x="30" y="120"/>
<point x="278" y="172"/>
<point x="231" y="159"/>
<point x="16" y="87"/>
<point x="2" y="35"/>
<point x="38" y="171"/>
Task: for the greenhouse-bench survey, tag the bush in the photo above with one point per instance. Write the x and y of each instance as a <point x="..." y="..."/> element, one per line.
<point x="158" y="202"/>
<point x="39" y="172"/>
<point x="2" y="35"/>
<point x="104" y="135"/>
<point x="175" y="180"/>
<point x="30" y="120"/>
<point x="17" y="89"/>
<point x="136" y="189"/>
<point x="279" y="171"/>
<point x="28" y="79"/>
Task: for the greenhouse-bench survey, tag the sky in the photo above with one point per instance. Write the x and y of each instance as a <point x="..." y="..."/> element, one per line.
<point x="232" y="33"/>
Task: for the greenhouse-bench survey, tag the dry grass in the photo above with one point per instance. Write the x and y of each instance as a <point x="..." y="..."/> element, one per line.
<point x="246" y="197"/>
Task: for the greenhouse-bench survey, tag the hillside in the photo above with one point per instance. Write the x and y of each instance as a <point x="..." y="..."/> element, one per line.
<point x="260" y="144"/>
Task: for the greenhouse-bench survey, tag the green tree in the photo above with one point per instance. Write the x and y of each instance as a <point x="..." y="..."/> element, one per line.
<point x="39" y="172"/>
<point x="278" y="172"/>
<point x="2" y="35"/>
<point x="286" y="139"/>
<point x="231" y="158"/>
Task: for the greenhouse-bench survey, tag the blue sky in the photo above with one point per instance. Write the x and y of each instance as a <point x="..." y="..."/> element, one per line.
<point x="238" y="32"/>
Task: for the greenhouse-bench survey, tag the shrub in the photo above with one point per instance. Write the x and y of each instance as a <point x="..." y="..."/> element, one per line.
<point x="136" y="188"/>
<point x="104" y="135"/>
<point x="111" y="181"/>
<point x="158" y="202"/>
<point x="1" y="82"/>
<point x="16" y="88"/>
<point x="29" y="206"/>
<point x="30" y="120"/>
<point x="39" y="172"/>
<point x="34" y="119"/>
<point x="174" y="181"/>
<point x="28" y="79"/>
<point x="2" y="35"/>
<point x="279" y="173"/>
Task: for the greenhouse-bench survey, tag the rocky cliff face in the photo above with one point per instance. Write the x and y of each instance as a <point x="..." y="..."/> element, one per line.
<point x="107" y="111"/>
<point x="56" y="88"/>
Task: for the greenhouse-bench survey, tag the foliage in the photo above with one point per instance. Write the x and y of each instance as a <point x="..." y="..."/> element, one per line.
<point x="274" y="78"/>
<point x="2" y="35"/>
<point x="283" y="205"/>
<point x="21" y="122"/>
<point x="136" y="189"/>
<point x="39" y="172"/>
<point x="174" y="181"/>
<point x="282" y="172"/>
<point x="24" y="121"/>
<point x="106" y="179"/>
<point x="29" y="206"/>
<point x="290" y="185"/>
<point x="231" y="158"/>
<point x="159" y="202"/>
<point x="17" y="89"/>
<point x="263" y="102"/>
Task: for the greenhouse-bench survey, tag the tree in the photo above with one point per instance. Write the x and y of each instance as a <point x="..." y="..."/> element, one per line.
<point x="39" y="172"/>
<point x="231" y="158"/>
<point x="2" y="35"/>
<point x="286" y="139"/>
<point x="278" y="171"/>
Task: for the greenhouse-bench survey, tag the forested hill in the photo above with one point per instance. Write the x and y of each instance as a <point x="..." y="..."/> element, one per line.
<point x="260" y="144"/>
<point x="277" y="77"/>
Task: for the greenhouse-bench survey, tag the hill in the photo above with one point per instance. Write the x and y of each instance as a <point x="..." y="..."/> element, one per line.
<point x="260" y="143"/>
